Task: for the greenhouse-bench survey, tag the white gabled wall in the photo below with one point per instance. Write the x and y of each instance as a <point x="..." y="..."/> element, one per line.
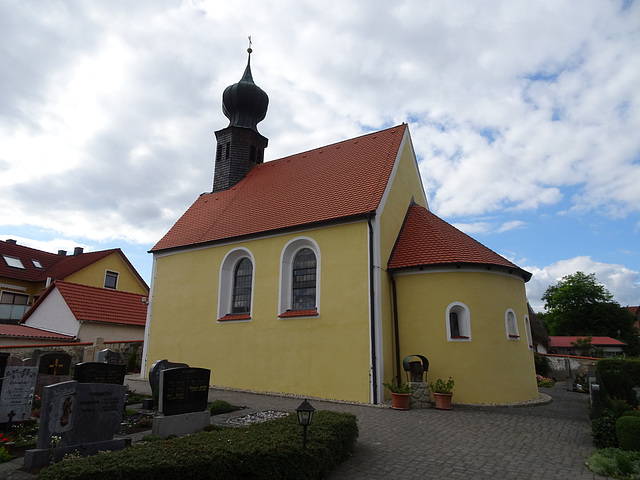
<point x="54" y="315"/>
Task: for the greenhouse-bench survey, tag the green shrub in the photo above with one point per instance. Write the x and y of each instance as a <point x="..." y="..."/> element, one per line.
<point x="542" y="364"/>
<point x="618" y="384"/>
<point x="615" y="463"/>
<point x="220" y="406"/>
<point x="603" y="430"/>
<point x="629" y="365"/>
<point x="5" y="456"/>
<point x="261" y="451"/>
<point x="628" y="433"/>
<point x="631" y="413"/>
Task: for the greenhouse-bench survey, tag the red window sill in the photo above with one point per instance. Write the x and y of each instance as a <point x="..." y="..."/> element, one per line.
<point x="458" y="336"/>
<point x="231" y="318"/>
<point x="299" y="313"/>
<point x="514" y="336"/>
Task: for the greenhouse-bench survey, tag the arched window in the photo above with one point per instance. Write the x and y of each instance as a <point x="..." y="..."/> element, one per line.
<point x="527" y="329"/>
<point x="458" y="323"/>
<point x="236" y="286"/>
<point x="511" y="325"/>
<point x="242" y="279"/>
<point x="300" y="279"/>
<point x="304" y="280"/>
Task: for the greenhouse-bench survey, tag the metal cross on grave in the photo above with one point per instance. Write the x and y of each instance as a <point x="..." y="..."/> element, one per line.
<point x="53" y="368"/>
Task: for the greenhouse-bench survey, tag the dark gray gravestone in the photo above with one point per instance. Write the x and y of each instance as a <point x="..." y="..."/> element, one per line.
<point x="54" y="363"/>
<point x="108" y="356"/>
<point x="84" y="416"/>
<point x="16" y="397"/>
<point x="4" y="357"/>
<point x="95" y="372"/>
<point x="14" y="361"/>
<point x="156" y="368"/>
<point x="183" y="390"/>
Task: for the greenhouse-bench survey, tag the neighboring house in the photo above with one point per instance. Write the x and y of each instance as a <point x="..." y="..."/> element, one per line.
<point x="85" y="313"/>
<point x="564" y="345"/>
<point x="26" y="272"/>
<point x="316" y="274"/>
<point x="22" y="335"/>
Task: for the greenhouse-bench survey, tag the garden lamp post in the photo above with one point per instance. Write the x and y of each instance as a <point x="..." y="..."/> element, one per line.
<point x="305" y="416"/>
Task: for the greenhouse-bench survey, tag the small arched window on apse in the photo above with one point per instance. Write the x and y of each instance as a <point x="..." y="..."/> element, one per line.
<point x="458" y="322"/>
<point x="300" y="279"/>
<point x="511" y="325"/>
<point x="235" y="292"/>
<point x="527" y="329"/>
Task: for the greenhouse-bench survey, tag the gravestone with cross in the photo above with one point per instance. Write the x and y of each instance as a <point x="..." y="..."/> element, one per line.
<point x="53" y="367"/>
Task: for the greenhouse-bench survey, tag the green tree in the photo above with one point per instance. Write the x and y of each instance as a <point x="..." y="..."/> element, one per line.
<point x="579" y="305"/>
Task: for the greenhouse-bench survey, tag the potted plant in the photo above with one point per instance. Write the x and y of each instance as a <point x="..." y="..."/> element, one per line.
<point x="400" y="395"/>
<point x="442" y="393"/>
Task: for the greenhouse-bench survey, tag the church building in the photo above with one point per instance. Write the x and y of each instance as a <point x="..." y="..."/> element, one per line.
<point x="317" y="273"/>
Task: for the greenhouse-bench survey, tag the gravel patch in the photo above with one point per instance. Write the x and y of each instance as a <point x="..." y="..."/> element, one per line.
<point x="257" y="417"/>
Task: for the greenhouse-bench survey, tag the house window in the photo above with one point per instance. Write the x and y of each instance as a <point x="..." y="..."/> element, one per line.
<point x="110" y="279"/>
<point x="37" y="264"/>
<point x="242" y="286"/>
<point x="236" y="286"/>
<point x="13" y="262"/>
<point x="458" y="323"/>
<point x="300" y="279"/>
<point x="13" y="306"/>
<point x="511" y="325"/>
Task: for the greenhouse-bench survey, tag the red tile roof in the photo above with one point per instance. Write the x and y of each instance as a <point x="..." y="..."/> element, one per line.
<point x="426" y="240"/>
<point x="30" y="273"/>
<point x="23" y="331"/>
<point x="346" y="179"/>
<point x="92" y="304"/>
<point x="565" y="341"/>
<point x="71" y="264"/>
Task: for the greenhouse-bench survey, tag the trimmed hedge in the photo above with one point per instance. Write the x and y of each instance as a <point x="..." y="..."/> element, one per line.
<point x="629" y="365"/>
<point x="628" y="432"/>
<point x="261" y="451"/>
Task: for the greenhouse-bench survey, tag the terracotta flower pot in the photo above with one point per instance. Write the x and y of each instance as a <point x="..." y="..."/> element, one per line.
<point x="442" y="400"/>
<point x="401" y="401"/>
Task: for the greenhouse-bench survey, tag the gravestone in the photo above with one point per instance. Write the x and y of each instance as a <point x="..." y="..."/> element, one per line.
<point x="182" y="398"/>
<point x="183" y="390"/>
<point x="108" y="356"/>
<point x="53" y="367"/>
<point x="156" y="368"/>
<point x="14" y="361"/>
<point x="16" y="393"/>
<point x="84" y="417"/>
<point x="96" y="372"/>
<point x="4" y="357"/>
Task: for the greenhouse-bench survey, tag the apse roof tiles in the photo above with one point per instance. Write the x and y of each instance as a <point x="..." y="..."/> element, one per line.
<point x="426" y="240"/>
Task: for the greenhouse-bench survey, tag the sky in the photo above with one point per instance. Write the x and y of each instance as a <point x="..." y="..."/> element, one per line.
<point x="525" y="116"/>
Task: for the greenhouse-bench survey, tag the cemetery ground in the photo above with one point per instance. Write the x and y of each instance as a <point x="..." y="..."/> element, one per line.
<point x="550" y="441"/>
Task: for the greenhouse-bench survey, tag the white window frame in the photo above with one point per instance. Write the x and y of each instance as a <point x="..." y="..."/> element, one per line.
<point x="287" y="256"/>
<point x="464" y="322"/>
<point x="13" y="262"/>
<point x="226" y="283"/>
<point x="111" y="272"/>
<point x="527" y="330"/>
<point x="512" y="332"/>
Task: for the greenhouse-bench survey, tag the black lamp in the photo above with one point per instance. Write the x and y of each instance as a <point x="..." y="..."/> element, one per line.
<point x="305" y="417"/>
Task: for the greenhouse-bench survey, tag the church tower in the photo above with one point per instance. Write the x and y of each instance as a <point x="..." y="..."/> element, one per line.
<point x="240" y="145"/>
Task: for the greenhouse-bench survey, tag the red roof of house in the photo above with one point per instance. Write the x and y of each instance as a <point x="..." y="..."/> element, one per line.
<point x="26" y="255"/>
<point x="23" y="331"/>
<point x="566" y="342"/>
<point x="71" y="264"/>
<point x="426" y="240"/>
<point x="342" y="180"/>
<point x="93" y="304"/>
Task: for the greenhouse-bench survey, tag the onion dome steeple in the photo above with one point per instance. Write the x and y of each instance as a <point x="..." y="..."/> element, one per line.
<point x="240" y="145"/>
<point x="244" y="103"/>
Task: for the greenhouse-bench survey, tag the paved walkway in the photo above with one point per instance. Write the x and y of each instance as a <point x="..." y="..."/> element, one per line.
<point x="538" y="442"/>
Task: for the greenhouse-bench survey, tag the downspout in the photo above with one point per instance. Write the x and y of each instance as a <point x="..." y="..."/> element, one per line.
<point x="374" y="360"/>
<point x="396" y="328"/>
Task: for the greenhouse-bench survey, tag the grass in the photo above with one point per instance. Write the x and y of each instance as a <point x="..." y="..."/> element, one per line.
<point x="615" y="463"/>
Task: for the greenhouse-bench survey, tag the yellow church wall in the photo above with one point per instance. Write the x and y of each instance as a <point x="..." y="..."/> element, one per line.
<point x="490" y="368"/>
<point x="325" y="357"/>
<point x="405" y="185"/>
<point x="93" y="275"/>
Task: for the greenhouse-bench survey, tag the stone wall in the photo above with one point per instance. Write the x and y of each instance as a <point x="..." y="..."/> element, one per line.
<point x="578" y="365"/>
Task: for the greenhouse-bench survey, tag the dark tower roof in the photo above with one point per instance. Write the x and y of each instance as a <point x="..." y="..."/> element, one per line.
<point x="244" y="103"/>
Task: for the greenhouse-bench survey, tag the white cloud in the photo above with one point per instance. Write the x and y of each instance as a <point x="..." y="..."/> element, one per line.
<point x="622" y="282"/>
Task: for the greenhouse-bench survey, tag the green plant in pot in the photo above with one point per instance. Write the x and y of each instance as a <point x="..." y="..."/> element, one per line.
<point x="400" y="395"/>
<point x="442" y="391"/>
